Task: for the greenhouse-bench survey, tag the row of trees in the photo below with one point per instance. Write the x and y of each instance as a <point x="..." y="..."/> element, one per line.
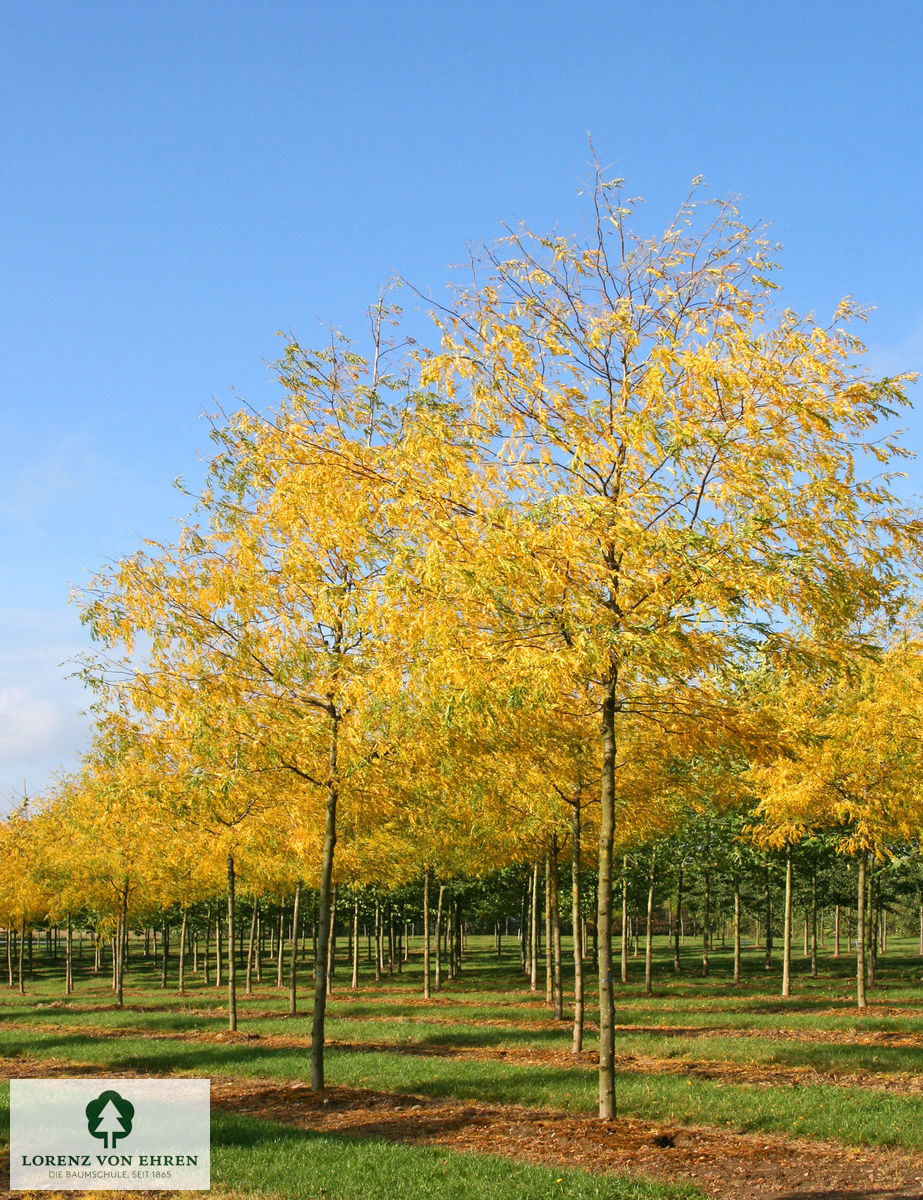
<point x="608" y="554"/>
<point x="703" y="886"/>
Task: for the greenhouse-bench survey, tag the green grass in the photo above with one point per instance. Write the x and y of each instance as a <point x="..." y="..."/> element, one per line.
<point x="853" y="1115"/>
<point x="414" y="1029"/>
<point x="268" y="1158"/>
<point x="390" y="1041"/>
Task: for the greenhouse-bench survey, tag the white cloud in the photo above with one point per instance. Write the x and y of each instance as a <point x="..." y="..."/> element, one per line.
<point x="40" y="735"/>
<point x="42" y="728"/>
<point x="28" y="723"/>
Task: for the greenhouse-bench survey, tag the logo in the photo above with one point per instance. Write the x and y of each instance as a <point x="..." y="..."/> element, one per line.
<point x="109" y="1116"/>
<point x="124" y="1135"/>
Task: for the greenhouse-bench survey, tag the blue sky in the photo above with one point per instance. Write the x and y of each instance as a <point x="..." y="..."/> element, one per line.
<point x="180" y="181"/>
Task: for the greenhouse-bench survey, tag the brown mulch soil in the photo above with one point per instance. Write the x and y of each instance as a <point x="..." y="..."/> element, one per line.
<point x="727" y="1166"/>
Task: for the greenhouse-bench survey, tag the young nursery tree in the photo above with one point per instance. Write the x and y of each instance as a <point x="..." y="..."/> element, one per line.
<point x="670" y="471"/>
<point x="853" y="767"/>
<point x="273" y="604"/>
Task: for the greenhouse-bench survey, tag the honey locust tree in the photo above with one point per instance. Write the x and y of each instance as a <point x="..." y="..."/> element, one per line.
<point x="852" y="769"/>
<point x="681" y="473"/>
<point x="116" y="842"/>
<point x="25" y="896"/>
<point x="275" y="597"/>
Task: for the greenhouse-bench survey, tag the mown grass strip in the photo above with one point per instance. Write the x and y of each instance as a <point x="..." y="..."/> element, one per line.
<point x="849" y="1115"/>
<point x="832" y="1057"/>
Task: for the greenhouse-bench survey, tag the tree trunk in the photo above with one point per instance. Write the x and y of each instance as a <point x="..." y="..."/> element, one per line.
<point x="767" y="900"/>
<point x="524" y="925"/>
<point x="69" y="957"/>
<point x="736" y="928"/>
<point x="332" y="941"/>
<point x="871" y="923"/>
<point x="280" y="947"/>
<point x="457" y="939"/>
<point x="232" y="962"/>
<point x="22" y="944"/>
<point x="181" y="972"/>
<point x="678" y="923"/>
<point x="219" y="961"/>
<point x="354" y="982"/>
<point x="391" y="939"/>
<point x="814" y="921"/>
<point x="556" y="933"/>
<point x="836" y="932"/>
<point x="427" y="879"/>
<point x="649" y="932"/>
<point x="787" y="934"/>
<point x="577" y="1045"/>
<point x="378" y="952"/>
<point x="438" y="938"/>
<point x="549" y="936"/>
<point x="533" y="932"/>
<point x="120" y="968"/>
<point x="323" y="933"/>
<point x="706" y="924"/>
<point x="293" y="966"/>
<point x="860" y="932"/>
<point x="164" y="952"/>
<point x="623" y="973"/>
<point x="607" y="1109"/>
<point x="254" y="920"/>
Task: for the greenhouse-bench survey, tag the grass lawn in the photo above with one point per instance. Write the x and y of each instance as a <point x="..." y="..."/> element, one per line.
<point x="699" y="1052"/>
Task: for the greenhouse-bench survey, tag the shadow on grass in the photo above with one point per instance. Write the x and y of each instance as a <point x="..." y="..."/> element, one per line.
<point x="836" y="1194"/>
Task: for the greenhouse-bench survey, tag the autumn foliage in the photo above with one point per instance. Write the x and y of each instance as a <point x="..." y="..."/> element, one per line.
<point x="619" y="554"/>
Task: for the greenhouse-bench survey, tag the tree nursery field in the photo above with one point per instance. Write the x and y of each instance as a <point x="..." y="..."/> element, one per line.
<point x="724" y="1089"/>
<point x="539" y="715"/>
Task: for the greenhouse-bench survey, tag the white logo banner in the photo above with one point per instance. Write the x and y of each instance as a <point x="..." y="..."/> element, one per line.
<point x="110" y="1134"/>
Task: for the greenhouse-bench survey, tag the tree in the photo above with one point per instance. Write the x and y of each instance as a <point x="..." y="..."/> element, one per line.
<point x="669" y="473"/>
<point x="853" y="765"/>
<point x="274" y="604"/>
<point x="109" y="1117"/>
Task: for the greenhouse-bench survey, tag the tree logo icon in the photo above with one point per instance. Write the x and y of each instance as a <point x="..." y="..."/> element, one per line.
<point x="109" y="1116"/>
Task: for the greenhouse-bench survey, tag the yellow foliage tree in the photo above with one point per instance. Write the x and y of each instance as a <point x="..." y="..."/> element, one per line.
<point x="854" y="766"/>
<point x="669" y="471"/>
